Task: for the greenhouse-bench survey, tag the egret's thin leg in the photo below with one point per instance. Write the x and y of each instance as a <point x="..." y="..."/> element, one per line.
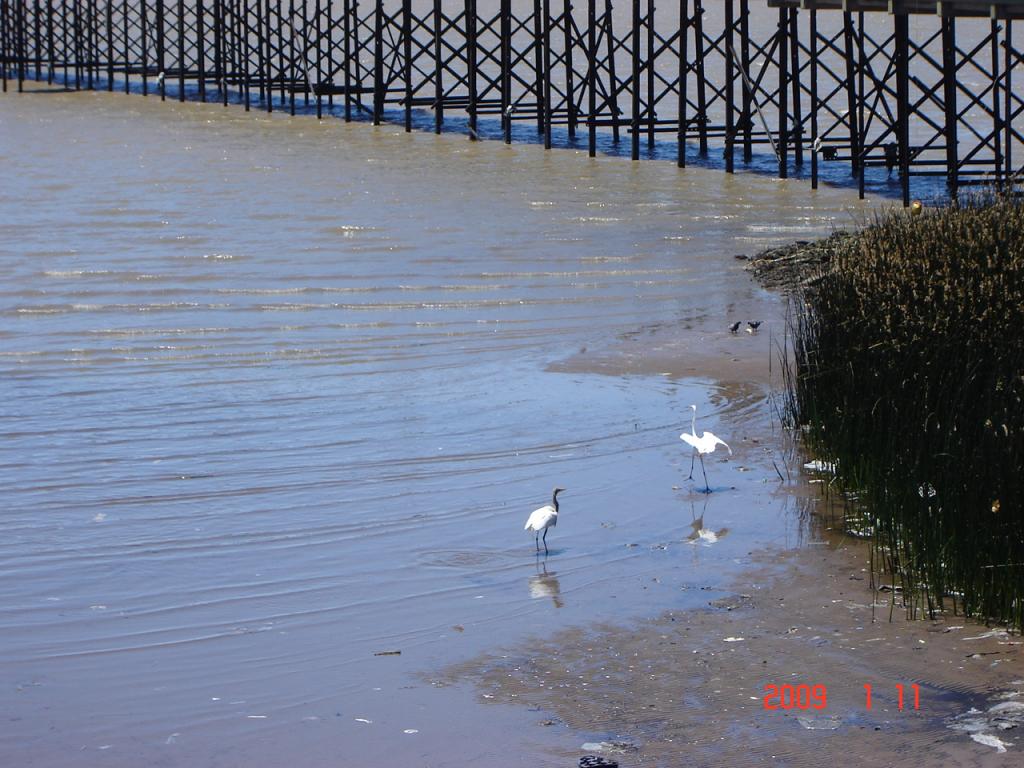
<point x="707" y="485"/>
<point x="692" y="455"/>
<point x="545" y="539"/>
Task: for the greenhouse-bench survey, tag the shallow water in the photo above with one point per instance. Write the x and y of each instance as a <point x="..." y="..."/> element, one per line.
<point x="278" y="395"/>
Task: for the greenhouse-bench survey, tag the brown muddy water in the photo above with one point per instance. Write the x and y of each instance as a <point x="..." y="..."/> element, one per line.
<point x="278" y="395"/>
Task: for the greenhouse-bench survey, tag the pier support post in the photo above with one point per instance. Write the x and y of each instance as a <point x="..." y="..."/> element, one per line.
<point x="201" y="48"/>
<point x="219" y="44"/>
<point x="997" y="127"/>
<point x="407" y="64"/>
<point x="264" y="55"/>
<point x="794" y="75"/>
<point x="244" y="58"/>
<point x="815" y="139"/>
<point x="322" y="35"/>
<point x="862" y="67"/>
<point x="546" y="42"/>
<point x="902" y="63"/>
<point x="438" y="68"/>
<point x="288" y="76"/>
<point x="19" y="44"/>
<point x="38" y="58"/>
<point x="378" y="64"/>
<point x="730" y="90"/>
<point x="684" y="80"/>
<point x="747" y="116"/>
<point x="570" y="80"/>
<point x="538" y="63"/>
<point x="783" y="53"/>
<point x="5" y="55"/>
<point x="650" y="112"/>
<point x="635" y="85"/>
<point x="592" y="77"/>
<point x="851" y="90"/>
<point x="471" y="67"/>
<point x="299" y="66"/>
<point x="702" y="92"/>
<point x="110" y="46"/>
<point x="181" y="52"/>
<point x="507" y="109"/>
<point x="613" y="83"/>
<point x="949" y="71"/>
<point x="1008" y="102"/>
<point x="50" y="51"/>
<point x="161" y="52"/>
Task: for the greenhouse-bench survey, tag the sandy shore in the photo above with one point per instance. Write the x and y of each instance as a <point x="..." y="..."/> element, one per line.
<point x="691" y="685"/>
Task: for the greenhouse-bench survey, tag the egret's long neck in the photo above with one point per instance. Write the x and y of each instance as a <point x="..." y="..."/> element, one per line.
<point x="693" y="422"/>
<point x="554" y="501"/>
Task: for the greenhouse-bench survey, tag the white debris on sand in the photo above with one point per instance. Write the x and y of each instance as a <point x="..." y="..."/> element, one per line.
<point x="1000" y="633"/>
<point x="825" y="723"/>
<point x="820" y="466"/>
<point x="990" y="741"/>
<point x="609" y="746"/>
<point x="1008" y="714"/>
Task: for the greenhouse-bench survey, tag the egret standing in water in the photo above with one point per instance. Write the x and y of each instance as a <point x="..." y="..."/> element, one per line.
<point x="542" y="519"/>
<point x="706" y="443"/>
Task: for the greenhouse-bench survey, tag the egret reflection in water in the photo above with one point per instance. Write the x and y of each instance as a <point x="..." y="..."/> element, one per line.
<point x="544" y="584"/>
<point x="699" y="534"/>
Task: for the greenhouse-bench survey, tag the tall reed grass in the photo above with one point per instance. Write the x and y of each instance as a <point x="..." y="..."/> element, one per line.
<point x="908" y="373"/>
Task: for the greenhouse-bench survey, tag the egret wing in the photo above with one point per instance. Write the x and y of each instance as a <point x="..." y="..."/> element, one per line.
<point x="540" y="518"/>
<point x="716" y="440"/>
<point x="690" y="440"/>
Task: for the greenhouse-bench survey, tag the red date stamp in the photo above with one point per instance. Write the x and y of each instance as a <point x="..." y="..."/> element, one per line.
<point x="804" y="696"/>
<point x="795" y="696"/>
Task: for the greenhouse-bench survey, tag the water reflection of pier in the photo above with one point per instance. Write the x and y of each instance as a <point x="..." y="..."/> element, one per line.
<point x="913" y="87"/>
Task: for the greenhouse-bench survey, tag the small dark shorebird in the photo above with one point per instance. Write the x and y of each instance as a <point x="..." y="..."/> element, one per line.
<point x="753" y="325"/>
<point x="734" y="327"/>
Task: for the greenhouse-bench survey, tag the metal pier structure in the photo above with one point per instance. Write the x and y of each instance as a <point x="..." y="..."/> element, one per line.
<point x="917" y="87"/>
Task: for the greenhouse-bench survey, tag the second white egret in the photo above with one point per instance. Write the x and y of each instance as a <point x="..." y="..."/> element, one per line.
<point x="706" y="443"/>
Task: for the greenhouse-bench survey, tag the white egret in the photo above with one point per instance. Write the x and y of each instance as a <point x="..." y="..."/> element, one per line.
<point x="544" y="518"/>
<point x="705" y="443"/>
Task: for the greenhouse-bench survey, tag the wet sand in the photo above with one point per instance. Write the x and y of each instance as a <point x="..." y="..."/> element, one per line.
<point x="691" y="684"/>
<point x="678" y="352"/>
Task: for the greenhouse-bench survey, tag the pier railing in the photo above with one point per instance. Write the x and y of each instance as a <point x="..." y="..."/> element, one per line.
<point x="917" y="88"/>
